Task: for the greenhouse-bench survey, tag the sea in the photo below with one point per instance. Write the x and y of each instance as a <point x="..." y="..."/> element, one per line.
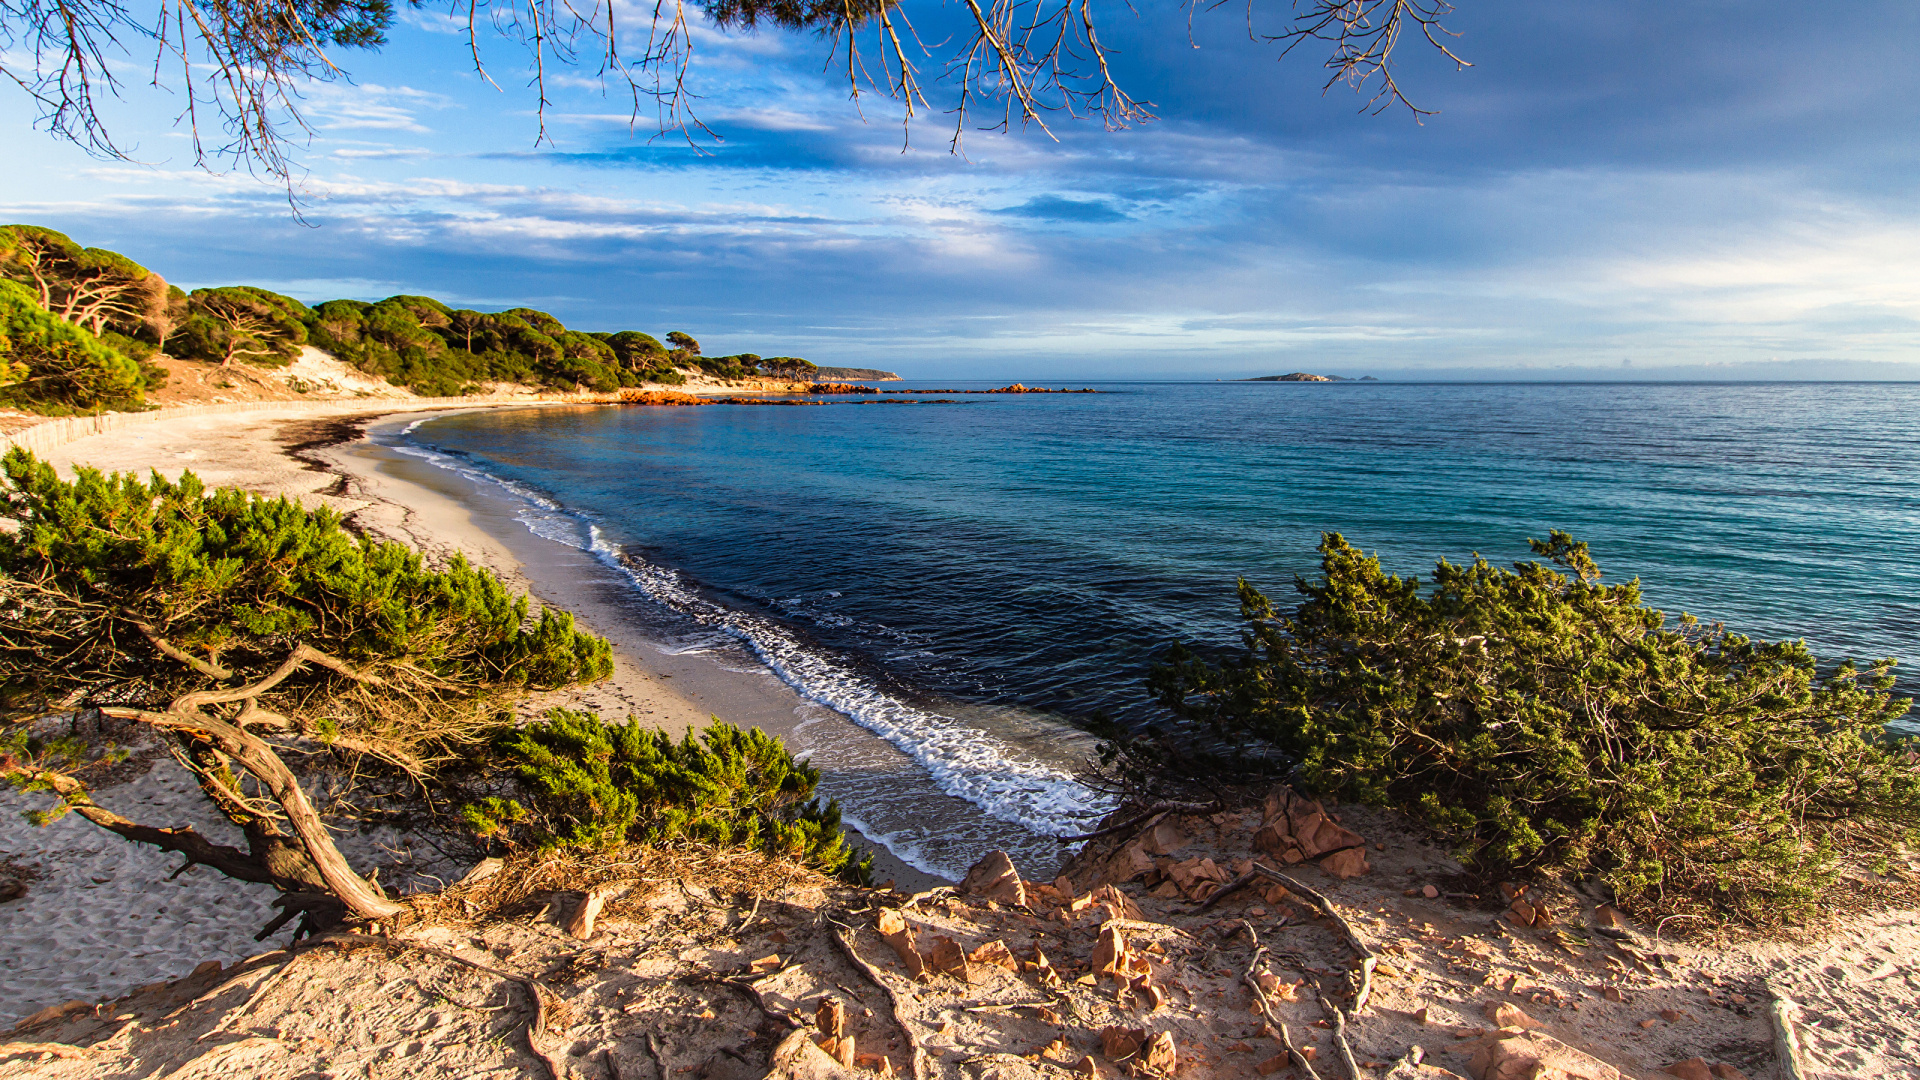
<point x="961" y="580"/>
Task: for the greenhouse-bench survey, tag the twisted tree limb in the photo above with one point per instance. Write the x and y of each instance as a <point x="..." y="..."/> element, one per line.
<point x="259" y="759"/>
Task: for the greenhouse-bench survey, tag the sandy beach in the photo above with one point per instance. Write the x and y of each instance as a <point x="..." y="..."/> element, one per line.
<point x="89" y="924"/>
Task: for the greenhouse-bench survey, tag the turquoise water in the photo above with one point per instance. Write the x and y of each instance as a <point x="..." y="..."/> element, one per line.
<point x="958" y="577"/>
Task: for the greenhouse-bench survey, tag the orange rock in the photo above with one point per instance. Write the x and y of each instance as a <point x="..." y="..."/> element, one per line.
<point x="1164" y="838"/>
<point x="1612" y="993"/>
<point x="1161" y="1057"/>
<point x="1522" y="912"/>
<point x="1691" y="1069"/>
<point x="994" y="878"/>
<point x="770" y="962"/>
<point x="1609" y="916"/>
<point x="1350" y="863"/>
<point x="946" y="956"/>
<point x="1272" y="1065"/>
<point x="1110" y="954"/>
<point x="1430" y="892"/>
<point x="997" y="954"/>
<point x="895" y="931"/>
<point x="831" y="1017"/>
<point x="1727" y="1072"/>
<point x="1119" y="1043"/>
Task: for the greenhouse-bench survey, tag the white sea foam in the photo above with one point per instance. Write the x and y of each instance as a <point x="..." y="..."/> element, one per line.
<point x="962" y="760"/>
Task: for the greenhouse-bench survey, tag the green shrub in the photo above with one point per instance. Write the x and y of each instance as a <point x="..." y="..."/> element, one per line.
<point x="222" y="573"/>
<point x="591" y="784"/>
<point x="1547" y="721"/>
<point x="51" y="366"/>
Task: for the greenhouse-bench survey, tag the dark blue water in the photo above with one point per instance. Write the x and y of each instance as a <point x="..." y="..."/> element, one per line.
<point x="1037" y="551"/>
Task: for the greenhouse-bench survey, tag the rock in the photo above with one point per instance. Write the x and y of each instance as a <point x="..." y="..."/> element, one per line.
<point x="11" y="889"/>
<point x="997" y="954"/>
<point x="580" y="925"/>
<point x="895" y="931"/>
<point x="1612" y="993"/>
<point x="994" y="878"/>
<point x="1273" y="1064"/>
<point x="769" y="962"/>
<point x="1511" y="891"/>
<point x="1130" y="863"/>
<point x="1350" y="863"/>
<point x="1649" y="1022"/>
<point x="1161" y="1056"/>
<point x="1522" y="912"/>
<point x="1533" y="1055"/>
<point x="53" y="1014"/>
<point x="481" y="871"/>
<point x="1164" y="838"/>
<point x="1508" y="1015"/>
<point x="1609" y="916"/>
<point x="1110" y="954"/>
<point x="1272" y="841"/>
<point x="1691" y="1069"/>
<point x="1119" y="1044"/>
<point x="798" y="1057"/>
<point x="1423" y="1016"/>
<point x="843" y="1050"/>
<point x="1198" y="877"/>
<point x="831" y="1017"/>
<point x="205" y="967"/>
<point x="1727" y="1072"/>
<point x="1088" y="1065"/>
<point x="1118" y="903"/>
<point x="946" y="956"/>
<point x="1430" y="892"/>
<point x="1674" y="1016"/>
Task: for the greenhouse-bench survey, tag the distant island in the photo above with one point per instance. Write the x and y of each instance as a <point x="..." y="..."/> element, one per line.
<point x="1301" y="376"/>
<point x="854" y="374"/>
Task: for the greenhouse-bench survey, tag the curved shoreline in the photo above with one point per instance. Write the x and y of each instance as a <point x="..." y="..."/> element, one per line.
<point x="323" y="454"/>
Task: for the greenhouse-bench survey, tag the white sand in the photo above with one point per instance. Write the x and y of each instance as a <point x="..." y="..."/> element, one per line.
<point x="102" y="917"/>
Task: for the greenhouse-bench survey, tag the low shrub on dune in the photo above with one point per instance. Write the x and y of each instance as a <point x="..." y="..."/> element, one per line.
<point x="1546" y="721"/>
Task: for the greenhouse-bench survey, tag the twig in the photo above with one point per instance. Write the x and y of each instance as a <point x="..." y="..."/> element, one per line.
<point x="759" y="999"/>
<point x="1368" y="958"/>
<point x="1007" y="1005"/>
<point x="536" y="1027"/>
<point x="1225" y="891"/>
<point x="1299" y="1059"/>
<point x="1786" y="1041"/>
<point x="659" y="1059"/>
<point x="840" y="938"/>
<point x="1339" y="1020"/>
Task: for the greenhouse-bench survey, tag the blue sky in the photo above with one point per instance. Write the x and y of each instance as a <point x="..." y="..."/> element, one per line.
<point x="1614" y="188"/>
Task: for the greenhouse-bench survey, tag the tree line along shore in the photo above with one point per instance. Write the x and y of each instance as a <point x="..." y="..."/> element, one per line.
<point x="81" y="329"/>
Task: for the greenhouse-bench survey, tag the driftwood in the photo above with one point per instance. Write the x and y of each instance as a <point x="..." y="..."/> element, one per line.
<point x="919" y="1067"/>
